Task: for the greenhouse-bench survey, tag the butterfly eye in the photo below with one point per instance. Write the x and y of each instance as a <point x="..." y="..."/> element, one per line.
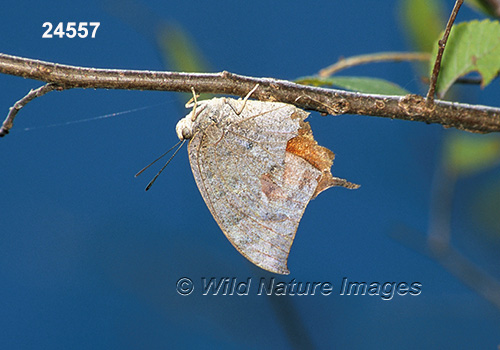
<point x="187" y="134"/>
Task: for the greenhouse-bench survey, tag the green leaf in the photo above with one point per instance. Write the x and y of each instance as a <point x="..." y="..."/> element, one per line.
<point x="357" y="84"/>
<point x="472" y="46"/>
<point x="181" y="53"/>
<point x="180" y="50"/>
<point x="423" y="20"/>
<point x="467" y="154"/>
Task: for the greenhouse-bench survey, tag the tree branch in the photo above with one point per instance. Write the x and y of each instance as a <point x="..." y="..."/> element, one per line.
<point x="328" y="101"/>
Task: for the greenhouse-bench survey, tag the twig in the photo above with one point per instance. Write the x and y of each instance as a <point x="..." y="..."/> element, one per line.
<point x="441" y="47"/>
<point x="9" y="121"/>
<point x="454" y="262"/>
<point x="473" y="118"/>
<point x="438" y="244"/>
<point x="440" y="209"/>
<point x="373" y="58"/>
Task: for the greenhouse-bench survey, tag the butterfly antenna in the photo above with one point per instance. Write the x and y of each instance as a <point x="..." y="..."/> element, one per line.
<point x="168" y="161"/>
<point x="157" y="159"/>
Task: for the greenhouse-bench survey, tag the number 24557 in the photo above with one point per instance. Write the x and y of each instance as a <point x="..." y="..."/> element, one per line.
<point x="72" y="29"/>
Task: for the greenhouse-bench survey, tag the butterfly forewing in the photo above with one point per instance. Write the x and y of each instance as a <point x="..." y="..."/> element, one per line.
<point x="256" y="191"/>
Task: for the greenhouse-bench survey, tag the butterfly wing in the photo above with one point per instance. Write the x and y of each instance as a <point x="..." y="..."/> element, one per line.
<point x="255" y="190"/>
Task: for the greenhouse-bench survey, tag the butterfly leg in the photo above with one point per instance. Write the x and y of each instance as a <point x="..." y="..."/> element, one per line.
<point x="193" y="103"/>
<point x="245" y="99"/>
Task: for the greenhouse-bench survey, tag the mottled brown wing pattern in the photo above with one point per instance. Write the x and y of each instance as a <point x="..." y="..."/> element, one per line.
<point x="256" y="191"/>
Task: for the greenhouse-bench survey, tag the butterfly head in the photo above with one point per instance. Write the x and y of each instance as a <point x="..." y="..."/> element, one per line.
<point x="184" y="128"/>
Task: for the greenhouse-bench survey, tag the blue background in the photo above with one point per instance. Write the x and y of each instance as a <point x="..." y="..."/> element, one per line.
<point x="90" y="260"/>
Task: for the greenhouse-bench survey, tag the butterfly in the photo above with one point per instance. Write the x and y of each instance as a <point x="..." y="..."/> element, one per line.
<point x="257" y="166"/>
